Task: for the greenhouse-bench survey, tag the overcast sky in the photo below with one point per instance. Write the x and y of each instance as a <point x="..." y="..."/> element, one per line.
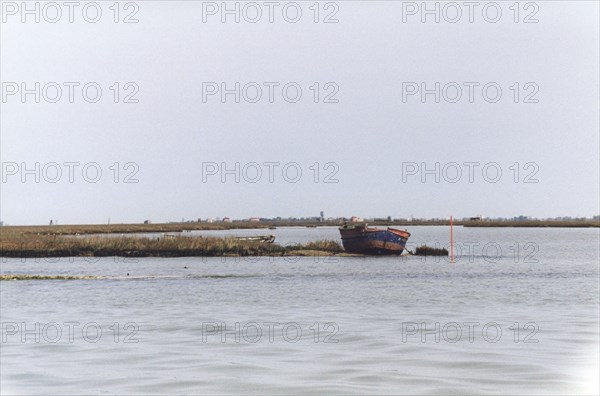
<point x="362" y="148"/>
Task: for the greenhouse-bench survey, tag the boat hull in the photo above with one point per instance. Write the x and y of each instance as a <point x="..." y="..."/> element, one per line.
<point x="364" y="240"/>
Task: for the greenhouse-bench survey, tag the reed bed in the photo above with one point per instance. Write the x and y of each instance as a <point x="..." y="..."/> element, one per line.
<point x="83" y="229"/>
<point x="322" y="246"/>
<point x="34" y="245"/>
<point x="534" y="223"/>
<point x="424" y="250"/>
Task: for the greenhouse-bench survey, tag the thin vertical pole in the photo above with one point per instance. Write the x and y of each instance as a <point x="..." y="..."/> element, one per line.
<point x="451" y="240"/>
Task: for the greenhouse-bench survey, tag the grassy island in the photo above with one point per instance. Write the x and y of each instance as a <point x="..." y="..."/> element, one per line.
<point x="51" y="245"/>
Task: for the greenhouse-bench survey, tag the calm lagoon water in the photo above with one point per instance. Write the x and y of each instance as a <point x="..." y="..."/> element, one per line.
<point x="517" y="313"/>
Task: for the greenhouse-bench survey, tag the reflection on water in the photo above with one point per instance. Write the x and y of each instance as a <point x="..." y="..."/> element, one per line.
<point x="517" y="313"/>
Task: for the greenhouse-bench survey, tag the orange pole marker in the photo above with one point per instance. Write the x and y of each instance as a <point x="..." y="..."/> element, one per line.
<point x="451" y="240"/>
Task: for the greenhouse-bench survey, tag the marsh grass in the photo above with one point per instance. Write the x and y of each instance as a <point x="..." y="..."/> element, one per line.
<point x="33" y="245"/>
<point x="84" y="229"/>
<point x="534" y="223"/>
<point x="322" y="246"/>
<point x="424" y="250"/>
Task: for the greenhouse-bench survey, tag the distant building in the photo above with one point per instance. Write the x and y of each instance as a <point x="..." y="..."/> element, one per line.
<point x="356" y="219"/>
<point x="210" y="220"/>
<point x="226" y="220"/>
<point x="322" y="217"/>
<point x="476" y="218"/>
<point x="254" y="219"/>
<point x="147" y="221"/>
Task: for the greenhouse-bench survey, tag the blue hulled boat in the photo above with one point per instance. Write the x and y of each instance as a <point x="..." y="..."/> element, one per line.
<point x="359" y="238"/>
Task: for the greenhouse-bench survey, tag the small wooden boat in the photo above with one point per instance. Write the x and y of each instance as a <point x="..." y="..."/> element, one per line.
<point x="257" y="238"/>
<point x="360" y="238"/>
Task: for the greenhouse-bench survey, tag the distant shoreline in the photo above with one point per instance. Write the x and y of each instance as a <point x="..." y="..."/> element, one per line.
<point x="82" y="229"/>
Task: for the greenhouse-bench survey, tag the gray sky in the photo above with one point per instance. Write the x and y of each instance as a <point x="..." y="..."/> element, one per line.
<point x="370" y="147"/>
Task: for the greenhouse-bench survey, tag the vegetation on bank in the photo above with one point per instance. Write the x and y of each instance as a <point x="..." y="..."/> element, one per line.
<point x="424" y="250"/>
<point x="39" y="245"/>
<point x="534" y="223"/>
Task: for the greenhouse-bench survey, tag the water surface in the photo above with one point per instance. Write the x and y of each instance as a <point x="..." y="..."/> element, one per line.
<point x="385" y="324"/>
